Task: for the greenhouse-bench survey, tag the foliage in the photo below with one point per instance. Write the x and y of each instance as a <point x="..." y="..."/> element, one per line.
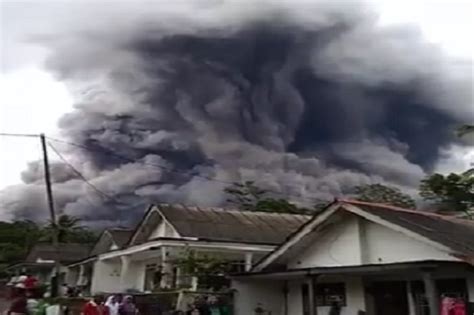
<point x="245" y="196"/>
<point x="207" y="268"/>
<point x="248" y="196"/>
<point x="69" y="231"/>
<point x="18" y="237"/>
<point x="452" y="192"/>
<point x="383" y="194"/>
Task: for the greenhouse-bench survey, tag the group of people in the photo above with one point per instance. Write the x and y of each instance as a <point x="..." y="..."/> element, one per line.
<point x="114" y="305"/>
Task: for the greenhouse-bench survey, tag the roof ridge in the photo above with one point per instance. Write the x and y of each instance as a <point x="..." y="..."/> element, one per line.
<point x="222" y="209"/>
<point x="395" y="208"/>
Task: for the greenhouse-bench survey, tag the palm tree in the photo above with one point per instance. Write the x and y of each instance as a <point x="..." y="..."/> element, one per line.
<point x="68" y="229"/>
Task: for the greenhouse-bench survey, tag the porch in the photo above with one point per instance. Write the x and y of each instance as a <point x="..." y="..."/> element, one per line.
<point x="165" y="265"/>
<point x="384" y="289"/>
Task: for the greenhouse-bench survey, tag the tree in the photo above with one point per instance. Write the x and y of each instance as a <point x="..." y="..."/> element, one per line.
<point x="249" y="197"/>
<point x="384" y="194"/>
<point x="452" y="192"/>
<point x="70" y="230"/>
<point x="245" y="196"/>
<point x="209" y="269"/>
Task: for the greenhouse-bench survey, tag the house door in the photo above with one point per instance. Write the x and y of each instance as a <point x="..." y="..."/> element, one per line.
<point x="390" y="298"/>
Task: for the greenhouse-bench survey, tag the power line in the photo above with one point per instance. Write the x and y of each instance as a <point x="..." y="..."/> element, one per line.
<point x="25" y="135"/>
<point x="78" y="173"/>
<point x="131" y="160"/>
<point x="167" y="168"/>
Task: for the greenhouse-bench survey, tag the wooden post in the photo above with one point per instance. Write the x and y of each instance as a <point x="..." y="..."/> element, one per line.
<point x="431" y="292"/>
<point x="52" y="213"/>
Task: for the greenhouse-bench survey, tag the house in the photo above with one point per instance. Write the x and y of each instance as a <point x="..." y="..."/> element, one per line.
<point x="363" y="257"/>
<point x="40" y="260"/>
<point x="80" y="271"/>
<point x="169" y="233"/>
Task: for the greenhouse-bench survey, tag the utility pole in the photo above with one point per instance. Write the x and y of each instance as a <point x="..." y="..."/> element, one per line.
<point x="54" y="225"/>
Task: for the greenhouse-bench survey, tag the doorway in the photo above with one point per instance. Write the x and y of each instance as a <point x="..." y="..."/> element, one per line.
<point x="390" y="298"/>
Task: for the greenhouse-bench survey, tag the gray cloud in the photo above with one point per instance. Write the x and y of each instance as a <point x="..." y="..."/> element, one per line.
<point x="309" y="100"/>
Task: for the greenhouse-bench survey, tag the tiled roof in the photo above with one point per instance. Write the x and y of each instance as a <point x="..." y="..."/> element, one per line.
<point x="68" y="252"/>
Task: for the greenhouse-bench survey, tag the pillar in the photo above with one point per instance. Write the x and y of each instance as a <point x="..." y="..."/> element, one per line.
<point x="313" y="309"/>
<point x="431" y="292"/>
<point x="411" y="300"/>
<point x="248" y="261"/>
<point x="124" y="270"/>
<point x="80" y="279"/>
<point x="166" y="269"/>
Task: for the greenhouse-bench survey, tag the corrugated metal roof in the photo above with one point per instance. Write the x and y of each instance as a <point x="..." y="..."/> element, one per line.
<point x="232" y="225"/>
<point x="120" y="236"/>
<point x="455" y="233"/>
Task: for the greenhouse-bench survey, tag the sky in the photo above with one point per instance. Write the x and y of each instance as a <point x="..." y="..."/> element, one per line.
<point x="32" y="100"/>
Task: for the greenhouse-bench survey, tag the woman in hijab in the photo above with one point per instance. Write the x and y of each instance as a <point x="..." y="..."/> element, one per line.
<point x="127" y="307"/>
<point x="113" y="305"/>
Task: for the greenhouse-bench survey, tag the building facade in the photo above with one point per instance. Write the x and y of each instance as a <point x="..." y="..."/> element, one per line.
<point x="152" y="257"/>
<point x="362" y="258"/>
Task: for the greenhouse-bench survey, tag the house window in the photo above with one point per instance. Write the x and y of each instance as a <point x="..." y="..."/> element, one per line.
<point x="327" y="294"/>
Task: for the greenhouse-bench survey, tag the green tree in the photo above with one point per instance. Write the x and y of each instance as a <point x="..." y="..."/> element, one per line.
<point x="245" y="195"/>
<point x="209" y="269"/>
<point x="70" y="230"/>
<point x="248" y="196"/>
<point x="384" y="194"/>
<point x="453" y="192"/>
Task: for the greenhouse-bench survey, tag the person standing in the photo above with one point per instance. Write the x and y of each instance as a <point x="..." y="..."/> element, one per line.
<point x="95" y="307"/>
<point x="113" y="305"/>
<point x="127" y="307"/>
<point x="19" y="304"/>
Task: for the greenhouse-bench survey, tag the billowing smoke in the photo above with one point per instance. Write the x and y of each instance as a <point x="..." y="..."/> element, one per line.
<point x="308" y="100"/>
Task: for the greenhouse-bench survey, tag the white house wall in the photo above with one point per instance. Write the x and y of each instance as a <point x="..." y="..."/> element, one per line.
<point x="388" y="246"/>
<point x="339" y="246"/>
<point x="135" y="276"/>
<point x="249" y="294"/>
<point x="106" y="277"/>
<point x="356" y="241"/>
<point x="163" y="230"/>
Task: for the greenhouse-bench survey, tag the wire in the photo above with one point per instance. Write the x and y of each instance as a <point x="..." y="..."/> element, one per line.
<point x="78" y="173"/>
<point x="167" y="168"/>
<point x="28" y="135"/>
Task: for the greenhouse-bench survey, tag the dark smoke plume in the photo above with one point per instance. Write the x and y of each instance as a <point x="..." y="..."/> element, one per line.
<point x="306" y="99"/>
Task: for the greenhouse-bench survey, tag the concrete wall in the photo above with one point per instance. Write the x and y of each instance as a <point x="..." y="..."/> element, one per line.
<point x="163" y="230"/>
<point x="106" y="277"/>
<point x="356" y="241"/>
<point x="385" y="245"/>
<point x="295" y="298"/>
<point x="250" y="293"/>
<point x="355" y="299"/>
<point x="135" y="276"/>
<point x="337" y="247"/>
